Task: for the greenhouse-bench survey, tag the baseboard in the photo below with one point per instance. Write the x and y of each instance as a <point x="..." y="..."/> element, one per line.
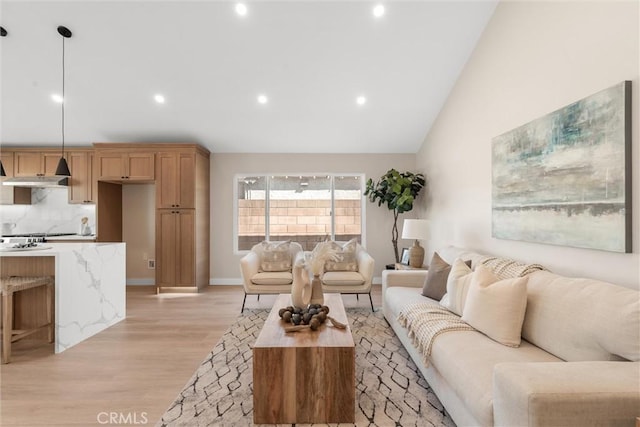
<point x="218" y="281"/>
<point x="140" y="282"/>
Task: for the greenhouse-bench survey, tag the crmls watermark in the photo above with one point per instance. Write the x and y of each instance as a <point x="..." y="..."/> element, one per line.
<point x="122" y="418"/>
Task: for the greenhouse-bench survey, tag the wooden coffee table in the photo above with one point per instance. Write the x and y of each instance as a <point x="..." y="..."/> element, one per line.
<point x="307" y="376"/>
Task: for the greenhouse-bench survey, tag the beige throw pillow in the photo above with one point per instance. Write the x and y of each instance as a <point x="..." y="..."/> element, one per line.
<point x="275" y="256"/>
<point x="435" y="286"/>
<point x="345" y="257"/>
<point x="496" y="307"/>
<point x="457" y="287"/>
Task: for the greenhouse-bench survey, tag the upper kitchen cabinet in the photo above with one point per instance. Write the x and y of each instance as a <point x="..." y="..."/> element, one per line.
<point x="124" y="166"/>
<point x="36" y="163"/>
<point x="10" y="195"/>
<point x="175" y="179"/>
<point x="82" y="184"/>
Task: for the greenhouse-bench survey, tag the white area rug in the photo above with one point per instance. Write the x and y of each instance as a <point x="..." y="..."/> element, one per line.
<point x="390" y="391"/>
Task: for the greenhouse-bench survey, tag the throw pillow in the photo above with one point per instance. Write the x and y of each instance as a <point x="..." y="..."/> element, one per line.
<point x="457" y="287"/>
<point x="275" y="256"/>
<point x="496" y="307"/>
<point x="435" y="286"/>
<point x="345" y="257"/>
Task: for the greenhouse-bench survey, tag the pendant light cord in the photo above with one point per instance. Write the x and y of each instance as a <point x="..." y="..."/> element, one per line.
<point x="64" y="100"/>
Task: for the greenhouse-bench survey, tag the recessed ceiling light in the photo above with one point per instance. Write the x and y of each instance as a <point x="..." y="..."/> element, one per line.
<point x="159" y="99"/>
<point x="57" y="98"/>
<point x="361" y="100"/>
<point x="378" y="10"/>
<point x="241" y="9"/>
<point x="262" y="99"/>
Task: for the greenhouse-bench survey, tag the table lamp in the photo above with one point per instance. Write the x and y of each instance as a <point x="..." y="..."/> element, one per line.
<point x="415" y="229"/>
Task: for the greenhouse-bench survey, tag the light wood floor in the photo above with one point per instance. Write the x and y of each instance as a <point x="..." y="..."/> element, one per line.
<point x="135" y="368"/>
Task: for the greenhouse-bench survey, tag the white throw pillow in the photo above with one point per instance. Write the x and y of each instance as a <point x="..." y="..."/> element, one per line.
<point x="345" y="257"/>
<point x="496" y="307"/>
<point x="275" y="256"/>
<point x="457" y="287"/>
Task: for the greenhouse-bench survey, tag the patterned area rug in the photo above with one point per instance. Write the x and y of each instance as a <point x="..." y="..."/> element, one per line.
<point x="390" y="391"/>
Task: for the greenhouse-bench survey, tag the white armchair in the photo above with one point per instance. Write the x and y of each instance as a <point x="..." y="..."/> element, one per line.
<point x="352" y="282"/>
<point x="267" y="268"/>
<point x="344" y="276"/>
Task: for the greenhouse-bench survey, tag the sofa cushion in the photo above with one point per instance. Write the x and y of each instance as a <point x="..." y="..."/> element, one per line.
<point x="435" y="286"/>
<point x="496" y="307"/>
<point x="273" y="278"/>
<point x="275" y="256"/>
<point x="345" y="278"/>
<point x="467" y="359"/>
<point x="398" y="297"/>
<point x="582" y="319"/>
<point x="345" y="257"/>
<point x="457" y="287"/>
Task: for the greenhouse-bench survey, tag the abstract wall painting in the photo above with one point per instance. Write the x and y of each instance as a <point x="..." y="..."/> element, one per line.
<point x="565" y="178"/>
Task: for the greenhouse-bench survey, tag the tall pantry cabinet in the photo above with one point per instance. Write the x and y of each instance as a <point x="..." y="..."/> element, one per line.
<point x="182" y="218"/>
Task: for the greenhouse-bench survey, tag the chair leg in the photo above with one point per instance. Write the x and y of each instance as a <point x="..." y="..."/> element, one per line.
<point x="357" y="297"/>
<point x="258" y="297"/>
<point x="371" y="301"/>
<point x="49" y="310"/>
<point x="7" y="326"/>
<point x="243" y="301"/>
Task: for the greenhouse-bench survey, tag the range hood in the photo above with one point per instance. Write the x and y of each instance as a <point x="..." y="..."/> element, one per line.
<point x="37" y="181"/>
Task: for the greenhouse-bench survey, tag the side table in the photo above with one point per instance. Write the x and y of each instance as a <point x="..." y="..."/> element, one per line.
<point x="407" y="267"/>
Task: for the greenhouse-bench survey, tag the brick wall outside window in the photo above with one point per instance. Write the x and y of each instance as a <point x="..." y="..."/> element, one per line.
<point x="304" y="221"/>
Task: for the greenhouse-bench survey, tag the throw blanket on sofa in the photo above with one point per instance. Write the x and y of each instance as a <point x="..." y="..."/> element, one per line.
<point x="505" y="268"/>
<point x="425" y="321"/>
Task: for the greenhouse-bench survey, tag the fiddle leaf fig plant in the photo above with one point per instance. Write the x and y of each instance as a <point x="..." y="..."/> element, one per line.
<point x="397" y="190"/>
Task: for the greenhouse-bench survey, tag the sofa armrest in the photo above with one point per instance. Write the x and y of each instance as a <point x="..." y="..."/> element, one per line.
<point x="249" y="266"/>
<point x="566" y="393"/>
<point x="404" y="278"/>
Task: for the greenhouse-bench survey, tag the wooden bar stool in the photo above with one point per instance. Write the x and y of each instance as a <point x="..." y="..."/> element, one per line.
<point x="9" y="286"/>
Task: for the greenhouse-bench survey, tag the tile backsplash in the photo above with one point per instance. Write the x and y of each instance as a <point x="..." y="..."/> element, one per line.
<point x="49" y="212"/>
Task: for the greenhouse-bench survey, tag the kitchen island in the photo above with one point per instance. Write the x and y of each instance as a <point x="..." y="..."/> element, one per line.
<point x="90" y="287"/>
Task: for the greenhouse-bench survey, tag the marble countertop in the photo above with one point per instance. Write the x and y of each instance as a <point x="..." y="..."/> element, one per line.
<point x="90" y="238"/>
<point x="52" y="249"/>
<point x="90" y="286"/>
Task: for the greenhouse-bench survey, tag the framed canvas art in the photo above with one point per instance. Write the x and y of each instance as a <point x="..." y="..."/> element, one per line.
<point x="565" y="178"/>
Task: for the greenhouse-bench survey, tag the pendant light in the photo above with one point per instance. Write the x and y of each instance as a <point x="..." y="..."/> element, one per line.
<point x="63" y="167"/>
<point x="3" y="33"/>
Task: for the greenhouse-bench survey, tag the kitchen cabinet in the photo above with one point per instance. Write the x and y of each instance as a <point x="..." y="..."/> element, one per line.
<point x="175" y="248"/>
<point x="82" y="184"/>
<point x="10" y="195"/>
<point x="180" y="173"/>
<point x="182" y="218"/>
<point x="175" y="180"/>
<point x="36" y="163"/>
<point x="125" y="166"/>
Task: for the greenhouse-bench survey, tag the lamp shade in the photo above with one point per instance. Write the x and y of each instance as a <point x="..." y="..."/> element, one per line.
<point x="416" y="229"/>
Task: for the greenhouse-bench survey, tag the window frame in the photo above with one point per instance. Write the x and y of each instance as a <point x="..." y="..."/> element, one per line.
<point x="269" y="176"/>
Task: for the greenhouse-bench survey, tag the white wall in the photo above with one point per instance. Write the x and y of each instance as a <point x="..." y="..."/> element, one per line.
<point x="225" y="265"/>
<point x="533" y="58"/>
<point x="139" y="231"/>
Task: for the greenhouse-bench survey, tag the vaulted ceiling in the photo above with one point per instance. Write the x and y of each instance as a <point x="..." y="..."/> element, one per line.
<point x="311" y="59"/>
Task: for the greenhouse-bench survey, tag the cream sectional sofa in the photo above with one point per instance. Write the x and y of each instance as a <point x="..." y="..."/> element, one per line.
<point x="577" y="364"/>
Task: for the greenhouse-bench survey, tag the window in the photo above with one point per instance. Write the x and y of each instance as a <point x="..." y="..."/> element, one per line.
<point x="303" y="208"/>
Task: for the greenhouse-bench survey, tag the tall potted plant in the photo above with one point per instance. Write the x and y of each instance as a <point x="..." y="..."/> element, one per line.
<point x="397" y="191"/>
